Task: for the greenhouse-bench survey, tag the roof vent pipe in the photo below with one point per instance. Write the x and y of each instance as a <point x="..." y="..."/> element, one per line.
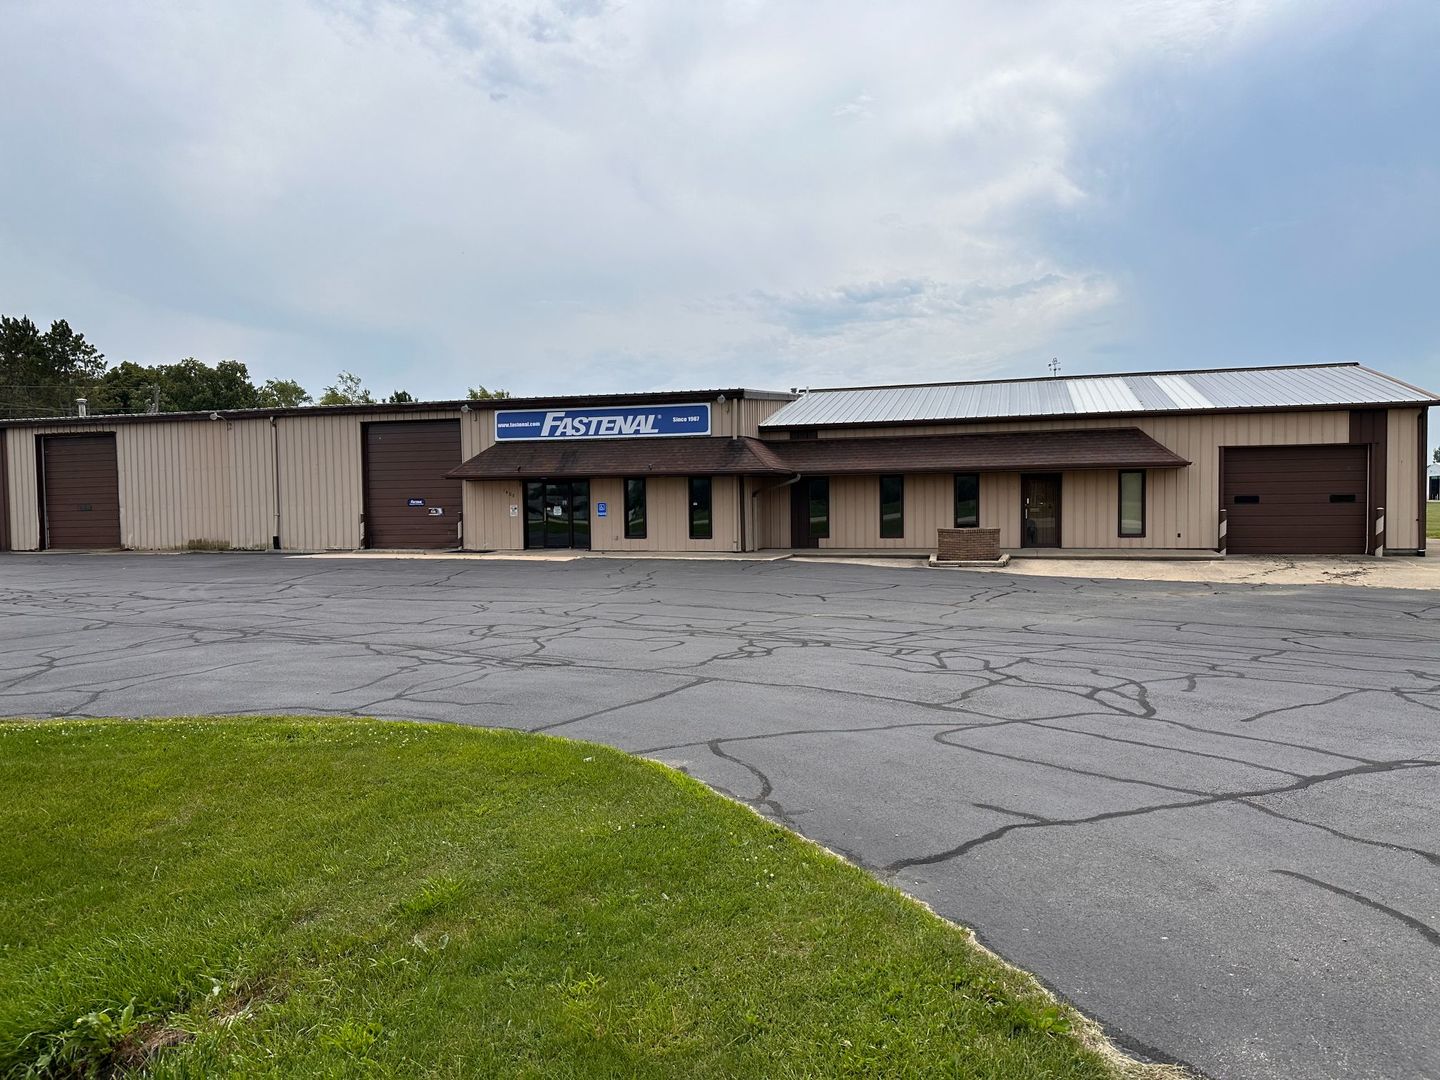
<point x="83" y="406"/>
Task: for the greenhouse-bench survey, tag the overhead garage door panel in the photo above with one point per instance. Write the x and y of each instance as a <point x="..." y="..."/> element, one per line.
<point x="1296" y="500"/>
<point x="409" y="503"/>
<point x="81" y="491"/>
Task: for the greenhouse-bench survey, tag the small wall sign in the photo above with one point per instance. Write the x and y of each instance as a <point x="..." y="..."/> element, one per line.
<point x="437" y="511"/>
<point x="414" y="502"/>
<point x="514" y="510"/>
<point x="601" y="509"/>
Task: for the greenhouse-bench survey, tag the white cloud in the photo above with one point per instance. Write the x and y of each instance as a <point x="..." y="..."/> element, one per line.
<point x="572" y="195"/>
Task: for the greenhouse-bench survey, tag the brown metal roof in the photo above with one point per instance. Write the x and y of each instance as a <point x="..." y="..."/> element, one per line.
<point x="1095" y="448"/>
<point x="699" y="456"/>
<point x="1103" y="448"/>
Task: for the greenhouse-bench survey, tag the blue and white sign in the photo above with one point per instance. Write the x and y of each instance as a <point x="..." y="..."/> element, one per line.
<point x="610" y="422"/>
<point x="601" y="509"/>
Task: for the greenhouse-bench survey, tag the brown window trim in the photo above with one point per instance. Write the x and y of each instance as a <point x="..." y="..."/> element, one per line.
<point x="644" y="507"/>
<point x="1120" y="504"/>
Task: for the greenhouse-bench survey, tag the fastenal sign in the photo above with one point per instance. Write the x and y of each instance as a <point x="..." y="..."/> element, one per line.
<point x="611" y="422"/>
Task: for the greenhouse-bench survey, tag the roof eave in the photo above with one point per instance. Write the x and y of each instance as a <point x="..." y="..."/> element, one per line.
<point x="575" y="401"/>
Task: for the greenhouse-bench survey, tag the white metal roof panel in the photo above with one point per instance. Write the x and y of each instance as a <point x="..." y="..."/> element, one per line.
<point x="1102" y="396"/>
<point x="1180" y="391"/>
<point x="1316" y="386"/>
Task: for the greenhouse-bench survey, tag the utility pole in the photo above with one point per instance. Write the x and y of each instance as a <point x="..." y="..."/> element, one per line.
<point x="1054" y="366"/>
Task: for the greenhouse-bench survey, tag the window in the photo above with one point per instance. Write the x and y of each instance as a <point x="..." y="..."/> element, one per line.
<point x="819" y="506"/>
<point x="702" y="526"/>
<point x="967" y="500"/>
<point x="892" y="507"/>
<point x="635" y="508"/>
<point x="1132" y="503"/>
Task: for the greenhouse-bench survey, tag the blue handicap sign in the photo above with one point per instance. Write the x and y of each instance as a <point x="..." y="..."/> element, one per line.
<point x="601" y="509"/>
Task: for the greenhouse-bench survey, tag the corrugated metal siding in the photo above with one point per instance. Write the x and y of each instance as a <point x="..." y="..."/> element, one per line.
<point x="488" y="524"/>
<point x="4" y="494"/>
<point x="1403" y="510"/>
<point x="253" y="521"/>
<point x="772" y="515"/>
<point x="855" y="511"/>
<point x="190" y="481"/>
<point x="174" y="484"/>
<point x="201" y="482"/>
<point x="321" y="495"/>
<point x="24" y="491"/>
<point x="477" y="433"/>
<point x="1181" y="504"/>
<point x="755" y="411"/>
<point x="1284" y="387"/>
<point x="667" y="514"/>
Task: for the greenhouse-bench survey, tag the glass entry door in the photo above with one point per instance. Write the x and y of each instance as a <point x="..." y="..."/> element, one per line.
<point x="557" y="514"/>
<point x="1040" y="510"/>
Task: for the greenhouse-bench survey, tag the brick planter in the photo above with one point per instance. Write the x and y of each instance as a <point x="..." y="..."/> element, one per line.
<point x="968" y="545"/>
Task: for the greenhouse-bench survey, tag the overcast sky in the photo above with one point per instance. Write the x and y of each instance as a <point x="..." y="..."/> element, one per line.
<point x="595" y="195"/>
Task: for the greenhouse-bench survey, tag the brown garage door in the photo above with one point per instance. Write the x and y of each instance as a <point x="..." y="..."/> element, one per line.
<point x="408" y="501"/>
<point x="80" y="491"/>
<point x="1296" y="500"/>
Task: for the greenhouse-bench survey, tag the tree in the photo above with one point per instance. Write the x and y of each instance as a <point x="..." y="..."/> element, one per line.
<point x="127" y="388"/>
<point x="187" y="386"/>
<point x="282" y="394"/>
<point x="192" y="386"/>
<point x="41" y="374"/>
<point x="479" y="393"/>
<point x="400" y="397"/>
<point x="348" y="390"/>
<point x="1437" y="455"/>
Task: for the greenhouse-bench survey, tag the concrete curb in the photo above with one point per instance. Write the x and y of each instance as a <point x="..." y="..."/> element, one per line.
<point x="943" y="564"/>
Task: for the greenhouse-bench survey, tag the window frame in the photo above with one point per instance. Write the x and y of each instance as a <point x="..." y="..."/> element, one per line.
<point x="1120" y="503"/>
<point x="690" y="482"/>
<point x="644" y="507"/>
<point x="899" y="478"/>
<point x="973" y="476"/>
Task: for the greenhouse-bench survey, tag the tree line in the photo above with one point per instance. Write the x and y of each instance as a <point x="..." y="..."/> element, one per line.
<point x="45" y="373"/>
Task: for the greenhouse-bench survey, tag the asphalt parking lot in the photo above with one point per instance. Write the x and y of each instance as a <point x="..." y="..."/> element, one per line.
<point x="1208" y="815"/>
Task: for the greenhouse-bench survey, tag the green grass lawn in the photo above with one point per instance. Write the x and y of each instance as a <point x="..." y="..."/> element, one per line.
<point x="1432" y="520"/>
<point x="193" y="898"/>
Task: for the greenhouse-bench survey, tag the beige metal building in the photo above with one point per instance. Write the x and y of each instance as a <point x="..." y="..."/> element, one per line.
<point x="1293" y="459"/>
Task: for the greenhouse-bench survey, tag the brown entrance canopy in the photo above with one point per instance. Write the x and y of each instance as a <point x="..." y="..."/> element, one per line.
<point x="1009" y="451"/>
<point x="1005" y="451"/>
<point x="691" y="456"/>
